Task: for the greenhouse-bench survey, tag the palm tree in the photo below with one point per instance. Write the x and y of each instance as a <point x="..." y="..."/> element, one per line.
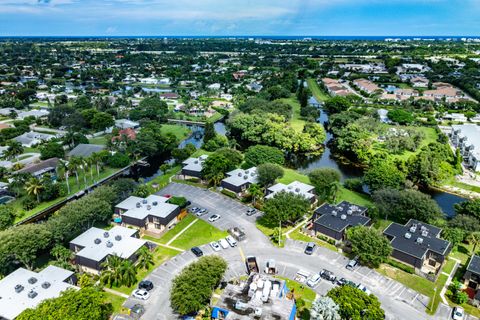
<point x="333" y="189"/>
<point x="15" y="149"/>
<point x="73" y="165"/>
<point x="34" y="187"/>
<point x="63" y="167"/>
<point x="255" y="192"/>
<point x="145" y="258"/>
<point x="83" y="165"/>
<point x="474" y="239"/>
<point x="90" y="162"/>
<point x="69" y="139"/>
<point x="128" y="273"/>
<point x="110" y="273"/>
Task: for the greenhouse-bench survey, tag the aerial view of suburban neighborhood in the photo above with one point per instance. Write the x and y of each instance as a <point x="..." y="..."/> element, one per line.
<point x="217" y="160"/>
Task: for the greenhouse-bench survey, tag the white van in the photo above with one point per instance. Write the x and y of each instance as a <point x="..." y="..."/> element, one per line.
<point x="223" y="243"/>
<point x="231" y="241"/>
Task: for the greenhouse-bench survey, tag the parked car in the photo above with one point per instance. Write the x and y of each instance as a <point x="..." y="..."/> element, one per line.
<point x="458" y="313"/>
<point x="314" y="280"/>
<point x="215" y="246"/>
<point x="231" y="241"/>
<point x="201" y="212"/>
<point x="146" y="285"/>
<point x="342" y="281"/>
<point x="352" y="264"/>
<point x="141" y="294"/>
<point x="197" y="251"/>
<point x="223" y="243"/>
<point x="193" y="209"/>
<point x="309" y="248"/>
<point x="214" y="218"/>
<point x="364" y="289"/>
<point x="137" y="311"/>
<point x="328" y="275"/>
<point x="251" y="212"/>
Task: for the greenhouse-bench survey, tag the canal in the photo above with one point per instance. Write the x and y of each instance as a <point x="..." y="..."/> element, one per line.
<point x="446" y="201"/>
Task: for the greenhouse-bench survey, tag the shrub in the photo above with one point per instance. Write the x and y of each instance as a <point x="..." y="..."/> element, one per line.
<point x="400" y="266"/>
<point x="118" y="160"/>
<point x="354" y="184"/>
<point x="29" y="203"/>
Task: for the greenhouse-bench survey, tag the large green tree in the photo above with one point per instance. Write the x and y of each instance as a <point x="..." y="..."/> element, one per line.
<point x="384" y="174"/>
<point x="259" y="154"/>
<point x="268" y="173"/>
<point x="323" y="180"/>
<point x="51" y="150"/>
<point x="7" y="216"/>
<point x="84" y="304"/>
<point x="371" y="247"/>
<point x="193" y="287"/>
<point x="469" y="208"/>
<point x="407" y="204"/>
<point x="337" y="104"/>
<point x="285" y="207"/>
<point x="215" y="167"/>
<point x="355" y="304"/>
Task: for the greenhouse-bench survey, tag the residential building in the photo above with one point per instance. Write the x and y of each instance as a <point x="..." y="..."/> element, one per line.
<point x="95" y="245"/>
<point x="383" y="115"/>
<point x="239" y="180"/>
<point x="466" y="137"/>
<point x="260" y="296"/>
<point x="29" y="139"/>
<point x="85" y="150"/>
<point x="296" y="187"/>
<point x="447" y="92"/>
<point x="128" y="134"/>
<point x="367" y="86"/>
<point x="254" y="86"/>
<point x="459" y="117"/>
<point x="25" y="289"/>
<point x="335" y="88"/>
<point x="418" y="244"/>
<point x="192" y="167"/>
<point x="126" y="124"/>
<point x="419" y="82"/>
<point x="41" y="168"/>
<point x="471" y="278"/>
<point x="333" y="220"/>
<point x="152" y="213"/>
<point x="33" y="113"/>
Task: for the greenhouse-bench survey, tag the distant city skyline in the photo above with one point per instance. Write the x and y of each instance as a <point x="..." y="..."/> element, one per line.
<point x="235" y="17"/>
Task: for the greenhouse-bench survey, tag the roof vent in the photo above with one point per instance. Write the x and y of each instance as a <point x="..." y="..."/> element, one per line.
<point x="109" y="244"/>
<point x="138" y="205"/>
<point x="349" y="212"/>
<point x="419" y="240"/>
<point x="297" y="189"/>
<point x="334" y="213"/>
<point x="246" y="171"/>
<point x="19" y="288"/>
<point x="32" y="280"/>
<point x="239" y="174"/>
<point x="408" y="235"/>
<point x="144" y="201"/>
<point x="46" y="285"/>
<point x="154" y="203"/>
<point x="106" y="234"/>
<point x="413" y="228"/>
<point x="289" y="187"/>
<point x="343" y="217"/>
<point x="252" y="174"/>
<point x="149" y="207"/>
<point x="97" y="241"/>
<point x="196" y="161"/>
<point x="245" y="177"/>
<point x="32" y="294"/>
<point x="118" y="237"/>
<point x="425" y="233"/>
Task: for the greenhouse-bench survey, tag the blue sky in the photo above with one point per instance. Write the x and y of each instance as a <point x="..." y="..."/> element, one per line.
<point x="239" y="17"/>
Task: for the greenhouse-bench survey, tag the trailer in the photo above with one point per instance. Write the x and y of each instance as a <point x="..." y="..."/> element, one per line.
<point x="237" y="233"/>
<point x="270" y="267"/>
<point x="252" y="266"/>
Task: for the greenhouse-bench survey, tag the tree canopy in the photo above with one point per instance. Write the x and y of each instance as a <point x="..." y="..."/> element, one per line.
<point x="469" y="208"/>
<point x="285" y="207"/>
<point x="84" y="304"/>
<point x="268" y="173"/>
<point x="322" y="179"/>
<point x="355" y="304"/>
<point x="403" y="205"/>
<point x="193" y="287"/>
<point x="259" y="154"/>
<point x="384" y="174"/>
<point x="371" y="247"/>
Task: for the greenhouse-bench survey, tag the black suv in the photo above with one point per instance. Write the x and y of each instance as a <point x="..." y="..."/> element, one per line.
<point x="145" y="284"/>
<point x="310" y="247"/>
<point x="328" y="275"/>
<point x="197" y="251"/>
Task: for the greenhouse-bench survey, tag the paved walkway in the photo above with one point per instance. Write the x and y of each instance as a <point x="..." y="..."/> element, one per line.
<point x="180" y="233"/>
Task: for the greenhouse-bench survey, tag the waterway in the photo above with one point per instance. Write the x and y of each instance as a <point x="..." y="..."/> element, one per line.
<point x="446" y="201"/>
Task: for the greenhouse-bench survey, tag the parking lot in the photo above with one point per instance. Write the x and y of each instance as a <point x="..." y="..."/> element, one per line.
<point x="398" y="301"/>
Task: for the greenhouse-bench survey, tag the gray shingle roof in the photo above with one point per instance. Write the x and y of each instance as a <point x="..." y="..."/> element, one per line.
<point x="341" y="216"/>
<point x="85" y="150"/>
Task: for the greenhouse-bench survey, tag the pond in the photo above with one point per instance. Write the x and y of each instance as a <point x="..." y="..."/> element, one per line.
<point x="446" y="201"/>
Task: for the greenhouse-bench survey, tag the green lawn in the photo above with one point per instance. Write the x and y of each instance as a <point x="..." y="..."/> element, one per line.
<point x="291" y="175"/>
<point x="179" y="227"/>
<point x="101" y="140"/>
<point x="448" y="267"/>
<point x="381" y="224"/>
<point x="301" y="291"/>
<point x="181" y="132"/>
<point x="163" y="179"/>
<point x="74" y="188"/>
<point x="297" y="235"/>
<point x="296" y="122"/>
<point x="435" y="301"/>
<point x="462" y="252"/>
<point x="318" y="93"/>
<point x="116" y="302"/>
<point x="198" y="234"/>
<point x="454" y="183"/>
<point x="160" y="255"/>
